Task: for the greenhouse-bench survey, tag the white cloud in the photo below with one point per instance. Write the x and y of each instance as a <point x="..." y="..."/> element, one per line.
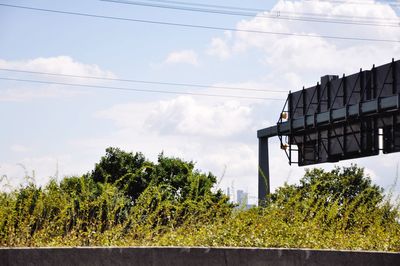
<point x="58" y="65"/>
<point x="182" y="116"/>
<point x="182" y="57"/>
<point x="186" y="116"/>
<point x="219" y="48"/>
<point x="321" y="55"/>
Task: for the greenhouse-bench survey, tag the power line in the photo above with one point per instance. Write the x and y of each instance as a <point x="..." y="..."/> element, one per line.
<point x="139" y="90"/>
<point x="207" y="5"/>
<point x="224" y="7"/>
<point x="204" y="26"/>
<point x="254" y="9"/>
<point x="143" y="81"/>
<point x="391" y="3"/>
<point x="277" y="16"/>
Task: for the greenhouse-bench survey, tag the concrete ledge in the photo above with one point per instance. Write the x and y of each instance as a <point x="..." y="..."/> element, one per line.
<point x="192" y="256"/>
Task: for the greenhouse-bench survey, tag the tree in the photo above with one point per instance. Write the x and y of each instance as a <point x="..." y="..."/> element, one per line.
<point x="129" y="172"/>
<point x="133" y="173"/>
<point x="182" y="177"/>
<point x="342" y="185"/>
<point x="344" y="194"/>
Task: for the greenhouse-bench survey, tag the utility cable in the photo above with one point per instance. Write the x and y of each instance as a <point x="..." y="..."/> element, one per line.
<point x="258" y="10"/>
<point x="139" y="90"/>
<point x="391" y="3"/>
<point x="278" y="16"/>
<point x="143" y="81"/>
<point x="204" y="26"/>
<point x="207" y="5"/>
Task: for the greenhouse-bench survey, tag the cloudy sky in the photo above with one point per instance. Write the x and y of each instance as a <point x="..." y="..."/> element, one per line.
<point x="271" y="49"/>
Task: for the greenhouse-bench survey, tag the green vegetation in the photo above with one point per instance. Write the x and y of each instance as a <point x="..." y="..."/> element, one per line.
<point x="127" y="200"/>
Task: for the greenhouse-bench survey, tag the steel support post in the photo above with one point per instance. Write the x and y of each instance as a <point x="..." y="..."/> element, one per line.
<point x="263" y="171"/>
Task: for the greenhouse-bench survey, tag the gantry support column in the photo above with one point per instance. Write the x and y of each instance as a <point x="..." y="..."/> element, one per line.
<point x="263" y="171"/>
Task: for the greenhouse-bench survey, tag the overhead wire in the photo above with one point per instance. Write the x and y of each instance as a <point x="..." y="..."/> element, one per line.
<point x="140" y="90"/>
<point x="277" y="16"/>
<point x="258" y="10"/>
<point x="202" y="26"/>
<point x="391" y="3"/>
<point x="207" y="5"/>
<point x="143" y="81"/>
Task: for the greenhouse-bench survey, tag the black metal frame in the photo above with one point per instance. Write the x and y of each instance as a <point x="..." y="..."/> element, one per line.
<point x="323" y="94"/>
<point x="370" y="111"/>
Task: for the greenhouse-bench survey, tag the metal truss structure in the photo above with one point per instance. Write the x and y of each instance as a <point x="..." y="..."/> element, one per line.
<point x="338" y="119"/>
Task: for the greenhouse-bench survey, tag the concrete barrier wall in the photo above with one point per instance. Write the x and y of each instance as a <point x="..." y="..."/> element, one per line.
<point x="191" y="256"/>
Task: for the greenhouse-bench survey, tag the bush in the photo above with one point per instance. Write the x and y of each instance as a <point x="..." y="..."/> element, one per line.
<point x="128" y="200"/>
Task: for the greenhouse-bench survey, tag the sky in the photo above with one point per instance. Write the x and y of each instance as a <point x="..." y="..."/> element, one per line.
<point x="53" y="130"/>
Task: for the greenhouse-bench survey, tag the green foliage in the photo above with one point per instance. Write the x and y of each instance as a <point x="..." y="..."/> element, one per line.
<point x="132" y="174"/>
<point x="334" y="197"/>
<point x="340" y="209"/>
<point x="128" y="200"/>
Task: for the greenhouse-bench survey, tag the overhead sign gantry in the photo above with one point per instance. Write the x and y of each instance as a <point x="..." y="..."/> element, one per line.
<point x="338" y="119"/>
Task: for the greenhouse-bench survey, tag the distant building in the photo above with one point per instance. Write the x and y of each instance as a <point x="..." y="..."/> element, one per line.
<point x="242" y="198"/>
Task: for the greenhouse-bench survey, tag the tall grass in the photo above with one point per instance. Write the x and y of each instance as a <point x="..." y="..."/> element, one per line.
<point x="81" y="212"/>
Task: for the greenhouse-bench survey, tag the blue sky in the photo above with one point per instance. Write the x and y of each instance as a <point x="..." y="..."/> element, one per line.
<point x="46" y="125"/>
